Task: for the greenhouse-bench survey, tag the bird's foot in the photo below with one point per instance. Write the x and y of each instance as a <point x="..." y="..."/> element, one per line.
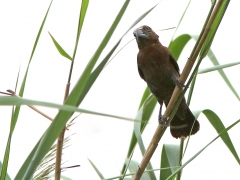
<point x="163" y="121"/>
<point x="180" y="84"/>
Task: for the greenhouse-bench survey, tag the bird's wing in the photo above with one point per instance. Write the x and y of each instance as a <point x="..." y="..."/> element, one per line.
<point x="174" y="62"/>
<point x="141" y="73"/>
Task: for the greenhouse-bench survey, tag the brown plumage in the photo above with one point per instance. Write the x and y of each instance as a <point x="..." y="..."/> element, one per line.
<point x="159" y="69"/>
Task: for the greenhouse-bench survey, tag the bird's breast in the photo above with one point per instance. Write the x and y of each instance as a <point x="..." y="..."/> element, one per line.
<point x="156" y="70"/>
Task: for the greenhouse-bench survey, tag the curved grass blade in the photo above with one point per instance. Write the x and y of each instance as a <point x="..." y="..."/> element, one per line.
<point x="219" y="127"/>
<point x="199" y="152"/>
<point x="190" y="92"/>
<point x="100" y="67"/>
<point x="206" y="47"/>
<point x="179" y="22"/>
<point x="169" y="158"/>
<point x="177" y="45"/>
<point x="84" y="7"/>
<point x="94" y="75"/>
<point x="59" y="48"/>
<point x="217" y="67"/>
<point x="221" y="72"/>
<point x="4" y="166"/>
<point x="7" y="151"/>
<point x="7" y="177"/>
<point x="145" y="95"/>
<point x="146" y="114"/>
<point x="208" y="42"/>
<point x="8" y="146"/>
<point x="68" y="108"/>
<point x="87" y="72"/>
<point x="215" y="62"/>
<point x="137" y="131"/>
<point x="59" y="150"/>
<point x="17" y="109"/>
<point x="96" y="169"/>
<point x="62" y="117"/>
<point x="15" y="112"/>
<point x="33" y="50"/>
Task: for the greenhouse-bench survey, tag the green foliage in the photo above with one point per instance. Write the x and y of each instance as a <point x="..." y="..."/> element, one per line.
<point x="96" y="169"/>
<point x="171" y="154"/>
<point x="169" y="160"/>
<point x="199" y="152"/>
<point x="217" y="124"/>
<point x="59" y="48"/>
<point x="16" y="110"/>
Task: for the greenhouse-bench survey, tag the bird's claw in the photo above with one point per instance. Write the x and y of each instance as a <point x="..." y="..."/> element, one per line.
<point x="163" y="121"/>
<point x="180" y="84"/>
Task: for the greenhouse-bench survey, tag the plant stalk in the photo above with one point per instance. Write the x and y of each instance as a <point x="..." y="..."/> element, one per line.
<point x="60" y="142"/>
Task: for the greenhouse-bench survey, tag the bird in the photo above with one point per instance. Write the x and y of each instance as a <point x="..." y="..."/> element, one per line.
<point x="158" y="68"/>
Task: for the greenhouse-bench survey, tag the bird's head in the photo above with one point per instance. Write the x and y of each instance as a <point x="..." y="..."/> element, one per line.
<point x="145" y="36"/>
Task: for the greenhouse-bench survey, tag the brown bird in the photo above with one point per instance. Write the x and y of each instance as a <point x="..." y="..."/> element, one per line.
<point x="159" y="69"/>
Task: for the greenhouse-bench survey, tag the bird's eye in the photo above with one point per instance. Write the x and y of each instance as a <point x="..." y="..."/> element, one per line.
<point x="134" y="34"/>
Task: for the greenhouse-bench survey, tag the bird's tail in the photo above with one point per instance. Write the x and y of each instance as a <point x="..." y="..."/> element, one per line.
<point x="184" y="127"/>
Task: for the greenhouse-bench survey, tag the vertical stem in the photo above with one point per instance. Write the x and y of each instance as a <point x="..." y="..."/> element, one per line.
<point x="191" y="90"/>
<point x="61" y="137"/>
<point x="180" y="158"/>
<point x="60" y="143"/>
<point x="59" y="156"/>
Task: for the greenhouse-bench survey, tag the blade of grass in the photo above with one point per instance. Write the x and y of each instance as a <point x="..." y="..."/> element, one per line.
<point x="169" y="158"/>
<point x="8" y="146"/>
<point x="100" y="67"/>
<point x="32" y="53"/>
<point x="103" y="63"/>
<point x="83" y="10"/>
<point x="177" y="45"/>
<point x="219" y="127"/>
<point x="221" y="72"/>
<point x="59" y="48"/>
<point x="206" y="47"/>
<point x="16" y="111"/>
<point x="179" y="22"/>
<point x="7" y="151"/>
<point x="215" y="62"/>
<point x="217" y="67"/>
<point x="190" y="92"/>
<point x="199" y="152"/>
<point x="207" y="44"/>
<point x="7" y="176"/>
<point x="96" y="169"/>
<point x="146" y="114"/>
<point x="62" y="117"/>
<point x="9" y="101"/>
<point x="137" y="131"/>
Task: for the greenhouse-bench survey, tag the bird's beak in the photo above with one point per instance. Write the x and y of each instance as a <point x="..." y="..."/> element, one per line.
<point x="140" y="34"/>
